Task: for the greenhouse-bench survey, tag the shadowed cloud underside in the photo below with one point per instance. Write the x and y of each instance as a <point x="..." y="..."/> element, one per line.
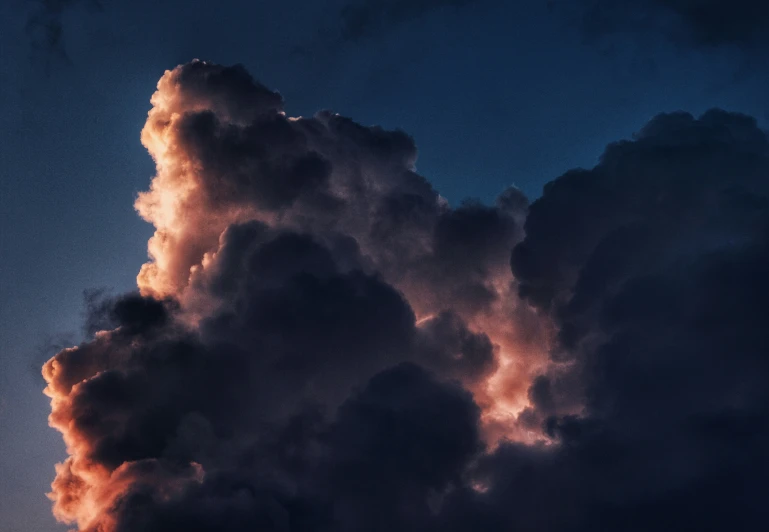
<point x="321" y="343"/>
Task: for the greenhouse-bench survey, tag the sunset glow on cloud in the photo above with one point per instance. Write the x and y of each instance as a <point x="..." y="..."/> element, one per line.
<point x="227" y="155"/>
<point x="320" y="342"/>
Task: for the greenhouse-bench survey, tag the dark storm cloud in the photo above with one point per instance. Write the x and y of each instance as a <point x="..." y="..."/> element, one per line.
<point x="373" y="468"/>
<point x="702" y="23"/>
<point x="404" y="439"/>
<point x="448" y="344"/>
<point x="311" y="335"/>
<point x="335" y="348"/>
<point x="651" y="264"/>
<point x="156" y="412"/>
<point x="105" y="312"/>
<point x="228" y="154"/>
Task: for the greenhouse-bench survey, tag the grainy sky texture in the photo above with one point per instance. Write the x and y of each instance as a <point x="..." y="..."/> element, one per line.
<point x="420" y="266"/>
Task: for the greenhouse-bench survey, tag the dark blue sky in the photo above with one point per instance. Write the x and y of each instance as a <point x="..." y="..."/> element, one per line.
<point x="494" y="93"/>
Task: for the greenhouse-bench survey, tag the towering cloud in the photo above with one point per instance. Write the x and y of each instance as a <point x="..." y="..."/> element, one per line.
<point x="237" y="177"/>
<point x="297" y="264"/>
<point x="321" y="343"/>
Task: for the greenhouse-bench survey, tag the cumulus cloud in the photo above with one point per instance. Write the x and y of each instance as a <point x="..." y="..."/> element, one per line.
<point x="650" y="265"/>
<point x="743" y="24"/>
<point x="302" y="277"/>
<point x="320" y="342"/>
<point x="234" y="173"/>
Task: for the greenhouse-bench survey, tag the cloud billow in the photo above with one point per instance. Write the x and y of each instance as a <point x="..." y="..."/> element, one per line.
<point x="320" y="342"/>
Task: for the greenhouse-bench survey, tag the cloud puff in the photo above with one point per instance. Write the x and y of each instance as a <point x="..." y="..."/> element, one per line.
<point x="227" y="155"/>
<point x="321" y="343"/>
<point x="650" y="265"/>
<point x="303" y="277"/>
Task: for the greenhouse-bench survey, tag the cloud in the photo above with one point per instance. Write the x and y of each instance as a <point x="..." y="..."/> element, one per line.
<point x="45" y="25"/>
<point x="321" y="343"/>
<point x="650" y="264"/>
<point x="741" y="24"/>
<point x="227" y="155"/>
<point x="302" y="279"/>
